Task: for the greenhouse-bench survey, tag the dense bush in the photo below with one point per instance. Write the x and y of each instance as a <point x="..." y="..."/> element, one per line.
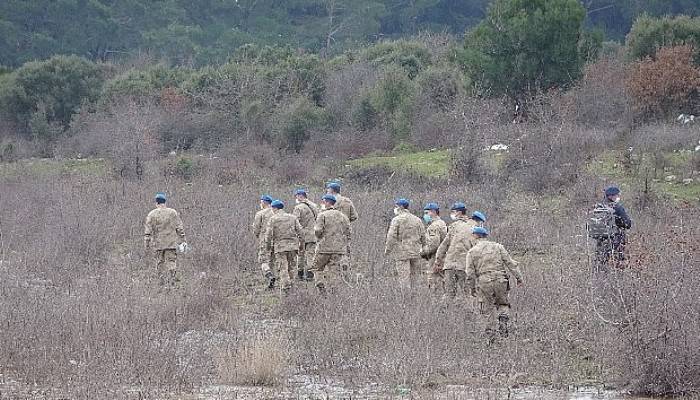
<point x="49" y="92"/>
<point x="526" y="45"/>
<point x="649" y="34"/>
<point x="666" y="85"/>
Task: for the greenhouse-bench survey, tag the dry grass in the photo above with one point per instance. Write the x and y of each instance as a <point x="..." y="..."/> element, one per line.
<point x="261" y="360"/>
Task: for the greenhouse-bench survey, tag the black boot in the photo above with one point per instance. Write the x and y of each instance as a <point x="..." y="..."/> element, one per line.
<point x="300" y="275"/>
<point x="503" y="325"/>
<point x="309" y="276"/>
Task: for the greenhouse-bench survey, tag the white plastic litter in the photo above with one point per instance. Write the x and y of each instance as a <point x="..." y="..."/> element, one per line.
<point x="184" y="248"/>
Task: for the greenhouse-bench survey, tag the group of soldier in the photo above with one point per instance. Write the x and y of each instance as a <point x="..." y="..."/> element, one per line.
<point x="312" y="243"/>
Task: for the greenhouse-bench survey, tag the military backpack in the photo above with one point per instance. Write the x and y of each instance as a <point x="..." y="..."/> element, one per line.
<point x="601" y="222"/>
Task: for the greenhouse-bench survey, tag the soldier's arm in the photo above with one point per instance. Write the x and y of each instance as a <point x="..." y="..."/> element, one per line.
<point x="257" y="225"/>
<point x="300" y="234"/>
<point x="297" y="212"/>
<point x="623" y="219"/>
<point x="511" y="265"/>
<point x="471" y="273"/>
<point x="391" y="237"/>
<point x="179" y="227"/>
<point x="421" y="232"/>
<point x="269" y="234"/>
<point x="147" y="232"/>
<point x="442" y="249"/>
<point x="353" y="212"/>
<point x="348" y="234"/>
<point x="319" y="226"/>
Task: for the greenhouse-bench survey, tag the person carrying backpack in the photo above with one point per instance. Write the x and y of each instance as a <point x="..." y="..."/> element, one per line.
<point x="608" y="226"/>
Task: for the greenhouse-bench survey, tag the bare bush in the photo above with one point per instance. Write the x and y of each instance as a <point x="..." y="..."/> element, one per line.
<point x="261" y="360"/>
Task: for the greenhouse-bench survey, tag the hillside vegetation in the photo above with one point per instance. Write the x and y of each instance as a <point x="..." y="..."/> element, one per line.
<point x="527" y="118"/>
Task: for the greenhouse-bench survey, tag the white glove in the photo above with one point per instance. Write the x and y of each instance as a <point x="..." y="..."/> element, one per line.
<point x="184" y="248"/>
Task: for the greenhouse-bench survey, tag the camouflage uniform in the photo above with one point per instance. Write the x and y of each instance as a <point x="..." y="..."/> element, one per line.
<point x="332" y="229"/>
<point x="405" y="241"/>
<point x="163" y="231"/>
<point x="306" y="211"/>
<point x="488" y="269"/>
<point x="284" y="237"/>
<point x="265" y="256"/>
<point x="434" y="235"/>
<point x="345" y="205"/>
<point x="452" y="253"/>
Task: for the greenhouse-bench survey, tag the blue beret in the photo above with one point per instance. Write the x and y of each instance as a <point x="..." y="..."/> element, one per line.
<point x="300" y="192"/>
<point x="161" y="196"/>
<point x="335" y="186"/>
<point x="432" y="206"/>
<point x="612" y="191"/>
<point x="480" y="230"/>
<point x="479" y="215"/>
<point x="402" y="203"/>
<point x="266" y="198"/>
<point x="329" y="198"/>
<point x="459" y="206"/>
<point x="277" y="204"/>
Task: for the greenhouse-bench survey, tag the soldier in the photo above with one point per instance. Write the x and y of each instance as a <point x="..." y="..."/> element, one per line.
<point x="306" y="211"/>
<point x="613" y="246"/>
<point x="488" y="268"/>
<point x="405" y="241"/>
<point x="434" y="235"/>
<point x="343" y="203"/>
<point x="332" y="229"/>
<point x="163" y="232"/>
<point x="285" y="238"/>
<point x="265" y="257"/>
<point x="450" y="256"/>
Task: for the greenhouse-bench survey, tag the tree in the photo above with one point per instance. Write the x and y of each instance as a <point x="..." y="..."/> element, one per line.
<point x="52" y="90"/>
<point x="649" y="34"/>
<point x="526" y="45"/>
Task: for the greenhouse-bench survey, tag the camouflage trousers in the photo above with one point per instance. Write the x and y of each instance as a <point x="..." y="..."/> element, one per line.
<point x="266" y="258"/>
<point x="303" y="263"/>
<point x="285" y="263"/>
<point x="321" y="265"/>
<point x="610" y="251"/>
<point x="409" y="271"/>
<point x="493" y="299"/>
<point x="166" y="266"/>
<point x="436" y="280"/>
<point x="455" y="280"/>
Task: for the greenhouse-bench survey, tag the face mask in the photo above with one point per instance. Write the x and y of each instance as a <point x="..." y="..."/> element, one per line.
<point x="262" y="206"/>
<point x="427" y="218"/>
<point x="453" y="217"/>
<point x="396" y="211"/>
<point x="617" y="199"/>
<point x="323" y="206"/>
<point x="297" y="201"/>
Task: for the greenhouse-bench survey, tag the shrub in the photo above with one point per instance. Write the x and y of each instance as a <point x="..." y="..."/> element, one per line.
<point x="526" y="45"/>
<point x="393" y="98"/>
<point x="364" y="115"/>
<point x="667" y="84"/>
<point x="261" y="360"/>
<point x="147" y="82"/>
<point x="411" y="56"/>
<point x="649" y="34"/>
<point x="55" y="88"/>
<point x="441" y="85"/>
<point x="299" y="121"/>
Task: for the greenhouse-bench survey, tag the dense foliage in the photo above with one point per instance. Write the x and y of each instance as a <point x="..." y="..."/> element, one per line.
<point x="208" y="31"/>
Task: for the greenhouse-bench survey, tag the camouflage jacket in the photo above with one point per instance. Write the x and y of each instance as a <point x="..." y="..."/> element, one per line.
<point x="453" y="249"/>
<point x="307" y="212"/>
<point x="262" y="217"/>
<point x="332" y="229"/>
<point x="434" y="235"/>
<point x="406" y="236"/>
<point x="163" y="229"/>
<point x="284" y="233"/>
<point x="489" y="261"/>
<point x="345" y="205"/>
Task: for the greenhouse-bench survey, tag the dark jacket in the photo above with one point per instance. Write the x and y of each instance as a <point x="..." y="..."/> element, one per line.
<point x="622" y="219"/>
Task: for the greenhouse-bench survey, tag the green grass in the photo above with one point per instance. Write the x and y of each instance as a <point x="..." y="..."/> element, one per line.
<point x="426" y="163"/>
<point x="50" y="167"/>
<point x="611" y="164"/>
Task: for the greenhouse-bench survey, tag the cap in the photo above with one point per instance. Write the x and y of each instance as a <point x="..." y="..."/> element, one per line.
<point x="335" y="186"/>
<point x="432" y="206"/>
<point x="480" y="230"/>
<point x="612" y="191"/>
<point x="266" y="198"/>
<point x="459" y="206"/>
<point x="479" y="215"/>
<point x="402" y="203"/>
<point x="300" y="192"/>
<point x="277" y="204"/>
<point x="329" y="198"/>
